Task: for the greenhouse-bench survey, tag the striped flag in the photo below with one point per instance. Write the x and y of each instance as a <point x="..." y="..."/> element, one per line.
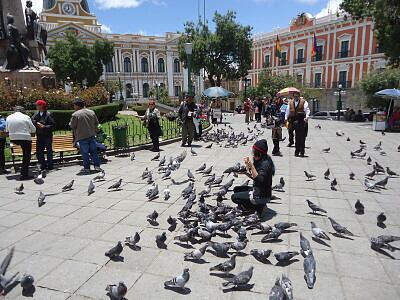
<point x="314" y="47"/>
<point x="278" y="48"/>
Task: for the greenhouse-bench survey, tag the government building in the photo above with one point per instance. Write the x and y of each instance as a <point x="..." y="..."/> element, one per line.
<point x="140" y="62"/>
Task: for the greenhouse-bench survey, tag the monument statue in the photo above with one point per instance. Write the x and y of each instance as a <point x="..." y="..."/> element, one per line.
<point x="17" y="52"/>
<point x="35" y="30"/>
<point x="48" y="4"/>
<point x="85" y="6"/>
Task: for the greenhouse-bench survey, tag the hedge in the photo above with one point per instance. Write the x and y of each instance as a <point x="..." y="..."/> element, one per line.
<point x="141" y="110"/>
<point x="62" y="117"/>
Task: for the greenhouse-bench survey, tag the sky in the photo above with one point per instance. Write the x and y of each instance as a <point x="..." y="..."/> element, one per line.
<point x="155" y="17"/>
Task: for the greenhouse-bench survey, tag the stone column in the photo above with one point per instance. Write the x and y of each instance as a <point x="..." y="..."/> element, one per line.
<point x="170" y="74"/>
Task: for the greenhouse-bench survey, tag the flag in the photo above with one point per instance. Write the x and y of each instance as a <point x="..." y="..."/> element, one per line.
<point x="314" y="47"/>
<point x="278" y="48"/>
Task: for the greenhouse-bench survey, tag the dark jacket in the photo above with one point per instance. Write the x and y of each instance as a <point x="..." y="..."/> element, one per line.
<point x="184" y="110"/>
<point x="263" y="182"/>
<point x="45" y="119"/>
<point x="277" y="133"/>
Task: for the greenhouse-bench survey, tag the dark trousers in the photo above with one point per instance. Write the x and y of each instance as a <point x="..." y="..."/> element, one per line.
<point x="291" y="135"/>
<point x="276" y="146"/>
<point x="241" y="197"/>
<point x="153" y="132"/>
<point x="258" y="117"/>
<point x="43" y="143"/>
<point x="2" y="157"/>
<point x="26" y="154"/>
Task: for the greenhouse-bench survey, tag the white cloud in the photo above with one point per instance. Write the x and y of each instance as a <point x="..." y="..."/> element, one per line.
<point x="331" y="6"/>
<point x="107" y="4"/>
<point x="141" y="32"/>
<point x="106" y="29"/>
<point x="37" y="5"/>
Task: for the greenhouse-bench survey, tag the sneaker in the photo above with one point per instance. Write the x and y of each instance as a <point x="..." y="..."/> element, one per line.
<point x="85" y="170"/>
<point x="98" y="169"/>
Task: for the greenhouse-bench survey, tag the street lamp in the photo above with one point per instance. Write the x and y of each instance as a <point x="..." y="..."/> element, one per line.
<point x="189" y="51"/>
<point x="339" y="92"/>
<point x="121" y="97"/>
<point x="157" y="95"/>
<point x="245" y="87"/>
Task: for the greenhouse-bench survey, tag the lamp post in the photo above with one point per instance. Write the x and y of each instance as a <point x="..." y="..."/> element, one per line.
<point x="189" y="51"/>
<point x="157" y="95"/>
<point x="339" y="92"/>
<point x="121" y="97"/>
<point x="245" y="87"/>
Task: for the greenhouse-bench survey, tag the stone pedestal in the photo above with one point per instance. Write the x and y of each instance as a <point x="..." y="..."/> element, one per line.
<point x="43" y="77"/>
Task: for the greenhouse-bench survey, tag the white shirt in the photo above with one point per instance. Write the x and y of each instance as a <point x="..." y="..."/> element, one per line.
<point x="306" y="109"/>
<point x="20" y="126"/>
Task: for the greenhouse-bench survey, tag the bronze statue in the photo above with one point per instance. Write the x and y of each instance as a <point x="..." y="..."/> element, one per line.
<point x="17" y="52"/>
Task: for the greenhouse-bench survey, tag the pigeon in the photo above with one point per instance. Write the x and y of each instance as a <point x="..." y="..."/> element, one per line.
<point x="359" y="207"/>
<point x="156" y="157"/>
<point x="197" y="253"/>
<point x="210" y="179"/>
<point x="208" y="171"/>
<point x="180" y="280"/>
<point x="41" y="199"/>
<point x="264" y="227"/>
<point x="150" y="178"/>
<point x="378" y="146"/>
<point x="217" y="181"/>
<point x="369" y="160"/>
<point x="209" y="146"/>
<point x="153" y="193"/>
<point x="226" y="266"/>
<point x="273" y="235"/>
<point x="370" y="174"/>
<point x="26" y="282"/>
<point x="308" y="175"/>
<point x="338" y="133"/>
<point x="167" y="174"/>
<point x="378" y="243"/>
<point x="315" y="207"/>
<point x="362" y="143"/>
<point x="378" y="168"/>
<point x="100" y="176"/>
<point x="239" y="245"/>
<point x="284" y="225"/>
<point x="145" y="173"/>
<point x="162" y="162"/>
<point x="309" y="266"/>
<point x="333" y="184"/>
<point x="117" y="291"/>
<point x="133" y="156"/>
<point x="206" y="191"/>
<point x="132" y="240"/>
<point x="280" y="185"/>
<point x="381" y="218"/>
<point x="369" y="185"/>
<point x="4" y="280"/>
<point x="389" y="238"/>
<point x="171" y="220"/>
<point x="190" y="175"/>
<point x="304" y="245"/>
<point x="326" y="150"/>
<point x="318" y="232"/>
<point x="91" y="188"/>
<point x="167" y="194"/>
<point x="348" y="139"/>
<point x="161" y="238"/>
<point x="282" y="290"/>
<point x="382" y="183"/>
<point x="390" y="172"/>
<point x="184" y="238"/>
<point x="153" y="216"/>
<point x="115" y="251"/>
<point x="261" y="254"/>
<point x="201" y="168"/>
<point x="68" y="186"/>
<point x="116" y="185"/>
<point x="39" y="179"/>
<point x="351" y="175"/>
<point x="339" y="228"/>
<point x="326" y="174"/>
<point x="241" y="279"/>
<point x="19" y="189"/>
<point x="193" y="152"/>
<point x="220" y="248"/>
<point x="285" y="256"/>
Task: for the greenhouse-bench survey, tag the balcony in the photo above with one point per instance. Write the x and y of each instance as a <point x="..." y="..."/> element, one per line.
<point x="318" y="57"/>
<point x="345" y="84"/>
<point x="283" y="62"/>
<point x="299" y="60"/>
<point x="318" y="84"/>
<point x="343" y="54"/>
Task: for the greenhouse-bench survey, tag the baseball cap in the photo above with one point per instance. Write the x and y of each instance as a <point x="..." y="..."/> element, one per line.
<point x="41" y="102"/>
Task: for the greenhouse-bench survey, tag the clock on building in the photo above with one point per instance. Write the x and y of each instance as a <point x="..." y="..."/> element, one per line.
<point x="68" y="8"/>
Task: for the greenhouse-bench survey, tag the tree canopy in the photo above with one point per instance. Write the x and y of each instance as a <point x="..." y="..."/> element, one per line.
<point x="73" y="58"/>
<point x="386" y="15"/>
<point x="224" y="53"/>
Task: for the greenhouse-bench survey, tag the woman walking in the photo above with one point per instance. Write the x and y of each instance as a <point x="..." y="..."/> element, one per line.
<point x="151" y="121"/>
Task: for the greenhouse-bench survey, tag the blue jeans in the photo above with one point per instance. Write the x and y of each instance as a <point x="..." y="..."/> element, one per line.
<point x="87" y="146"/>
<point x="43" y="143"/>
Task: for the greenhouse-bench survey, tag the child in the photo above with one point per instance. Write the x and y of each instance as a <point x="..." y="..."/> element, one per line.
<point x="276" y="138"/>
<point x="101" y="137"/>
<point x="300" y="128"/>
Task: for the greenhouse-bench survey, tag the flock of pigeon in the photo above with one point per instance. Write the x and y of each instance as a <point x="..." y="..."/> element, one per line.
<point x="206" y="215"/>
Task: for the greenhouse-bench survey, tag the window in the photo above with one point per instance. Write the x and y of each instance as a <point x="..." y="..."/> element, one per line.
<point x="145" y="90"/>
<point x="300" y="58"/>
<point x="177" y="90"/>
<point x="145" y="65"/>
<point x="129" y="90"/>
<point x="344" y="49"/>
<point x="127" y="65"/>
<point x="109" y="67"/>
<point x="177" y="66"/>
<point x="342" y="78"/>
<point x="266" y="62"/>
<point x="299" y="78"/>
<point x="318" y="55"/>
<point x="283" y="60"/>
<point x="161" y="65"/>
<point x="317" y="79"/>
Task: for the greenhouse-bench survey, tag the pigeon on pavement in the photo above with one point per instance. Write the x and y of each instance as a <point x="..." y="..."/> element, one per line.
<point x="280" y="185"/>
<point x="153" y="216"/>
<point x="132" y="240"/>
<point x="209" y="146"/>
<point x="309" y="266"/>
<point x="167" y="194"/>
<point x="115" y="251"/>
<point x="179" y="281"/>
<point x="6" y="280"/>
<point x="241" y="279"/>
<point x="318" y="232"/>
<point x="117" y="291"/>
<point x="226" y="266"/>
<point x="68" y="186"/>
<point x="315" y="207"/>
<point x="193" y="152"/>
<point x="20" y="189"/>
<point x="390" y="172"/>
<point x="381" y="218"/>
<point x="26" y="282"/>
<point x="162" y="162"/>
<point x="116" y="185"/>
<point x="197" y="253"/>
<point x="273" y="235"/>
<point x="261" y="254"/>
<point x="284" y="225"/>
<point x="359" y="207"/>
<point x="304" y="245"/>
<point x="41" y="199"/>
<point x="382" y="183"/>
<point x="285" y="256"/>
<point x="190" y="175"/>
<point x="201" y="168"/>
<point x="156" y="157"/>
<point x="326" y="174"/>
<point x="133" y="156"/>
<point x="282" y="290"/>
<point x="161" y="238"/>
<point x="100" y="176"/>
<point x="91" y="188"/>
<point x="309" y="176"/>
<point x="351" y="175"/>
<point x="326" y="150"/>
<point x="339" y="228"/>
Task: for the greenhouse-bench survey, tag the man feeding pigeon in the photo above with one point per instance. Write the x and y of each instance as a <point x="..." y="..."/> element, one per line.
<point x="261" y="170"/>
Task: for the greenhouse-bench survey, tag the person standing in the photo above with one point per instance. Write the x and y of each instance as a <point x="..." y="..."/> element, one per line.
<point x="251" y="109"/>
<point x="151" y="121"/>
<point x="283" y="110"/>
<point x="2" y="147"/>
<point x="300" y="127"/>
<point x="277" y="137"/>
<point x="44" y="122"/>
<point x="186" y="114"/>
<point x="84" y="124"/>
<point x="298" y="104"/>
<point x="247" y="108"/>
<point x="20" y="127"/>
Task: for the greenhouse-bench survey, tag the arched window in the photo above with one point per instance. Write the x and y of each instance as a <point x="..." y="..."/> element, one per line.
<point x="109" y="67"/>
<point x="145" y="90"/>
<point x="145" y="65"/>
<point x="129" y="90"/>
<point x="127" y="65"/>
<point x="161" y="65"/>
<point x="177" y="66"/>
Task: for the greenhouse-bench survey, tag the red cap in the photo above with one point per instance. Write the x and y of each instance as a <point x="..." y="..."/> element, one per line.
<point x="41" y="102"/>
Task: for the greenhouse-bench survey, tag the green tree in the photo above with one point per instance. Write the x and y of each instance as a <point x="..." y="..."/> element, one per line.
<point x="161" y="93"/>
<point x="385" y="14"/>
<point x="378" y="80"/>
<point x="270" y="84"/>
<point x="73" y="58"/>
<point x="225" y="53"/>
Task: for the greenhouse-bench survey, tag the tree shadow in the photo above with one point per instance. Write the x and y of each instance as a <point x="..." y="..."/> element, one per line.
<point x="246" y="287"/>
<point x="321" y="242"/>
<point x="176" y="289"/>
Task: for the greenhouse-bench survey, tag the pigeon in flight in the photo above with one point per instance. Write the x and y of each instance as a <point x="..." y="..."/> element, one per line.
<point x="179" y="281"/>
<point x="315" y="207"/>
<point x="41" y="199"/>
<point x="116" y="185"/>
<point x="318" y="232"/>
<point x="241" y="279"/>
<point x="115" y="251"/>
<point x="68" y="186"/>
<point x="91" y="188"/>
<point x="339" y="228"/>
<point x="4" y="280"/>
<point x="117" y="291"/>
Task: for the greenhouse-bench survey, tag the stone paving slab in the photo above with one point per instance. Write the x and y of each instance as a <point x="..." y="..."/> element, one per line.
<point x="62" y="244"/>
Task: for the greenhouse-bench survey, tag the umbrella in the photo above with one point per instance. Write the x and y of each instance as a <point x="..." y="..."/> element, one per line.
<point x="287" y="91"/>
<point x="217" y="92"/>
<point x="389" y="93"/>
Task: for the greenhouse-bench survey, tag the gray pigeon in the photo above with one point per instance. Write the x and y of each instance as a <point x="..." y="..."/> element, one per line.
<point x="116" y="185"/>
<point x="154" y="192"/>
<point x="220" y="248"/>
<point x="304" y="245"/>
<point x="359" y="207"/>
<point x="201" y="168"/>
<point x="318" y="232"/>
<point x="167" y="174"/>
<point x="326" y="174"/>
<point x="4" y="280"/>
<point x="117" y="291"/>
<point x="26" y="281"/>
<point x="68" y="186"/>
<point x="180" y="280"/>
<point x="339" y="228"/>
<point x="390" y="172"/>
<point x="273" y="235"/>
<point x="210" y="179"/>
<point x="41" y="199"/>
<point x="197" y="253"/>
<point x="115" y="251"/>
<point x="100" y="176"/>
<point x="284" y="225"/>
<point x="309" y="265"/>
<point x="280" y="185"/>
<point x="282" y="290"/>
<point x="218" y="181"/>
<point x="285" y="256"/>
<point x="315" y="207"/>
<point x="162" y="162"/>
<point x="90" y="188"/>
<point x="382" y="183"/>
<point x="381" y="218"/>
<point x="153" y="216"/>
<point x="226" y="266"/>
<point x="239" y="245"/>
<point x="264" y="227"/>
<point x="351" y="175"/>
<point x="190" y="175"/>
<point x="133" y="240"/>
<point x="241" y="279"/>
<point x="133" y="156"/>
<point x="156" y="157"/>
<point x="207" y="171"/>
<point x="377" y="244"/>
<point x="309" y="176"/>
<point x="193" y="152"/>
<point x="261" y="254"/>
<point x="145" y="173"/>
<point x="20" y="189"/>
<point x="161" y="238"/>
<point x="167" y="194"/>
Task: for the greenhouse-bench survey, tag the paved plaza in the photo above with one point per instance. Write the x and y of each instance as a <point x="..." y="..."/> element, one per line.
<point x="62" y="243"/>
